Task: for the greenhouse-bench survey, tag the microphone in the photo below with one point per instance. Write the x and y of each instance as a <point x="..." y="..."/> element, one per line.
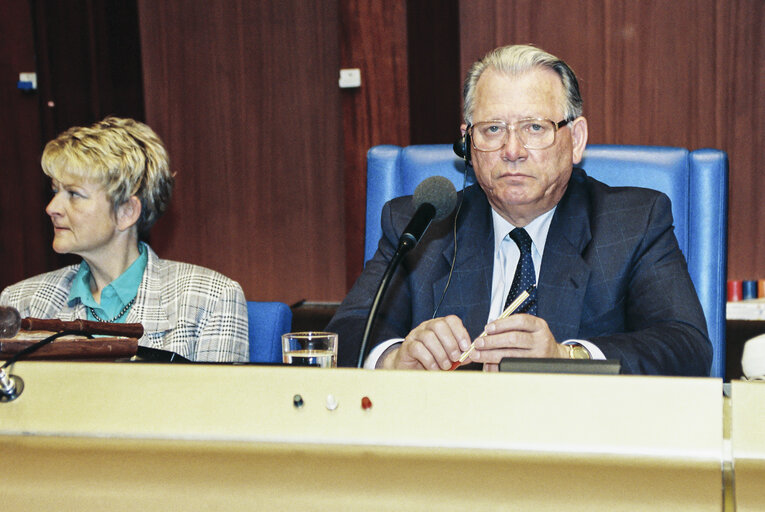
<point x="10" y="322"/>
<point x="434" y="198"/>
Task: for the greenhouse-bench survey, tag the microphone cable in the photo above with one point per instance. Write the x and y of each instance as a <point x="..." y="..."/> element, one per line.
<point x="12" y="386"/>
<point x="454" y="230"/>
<point x="37" y="346"/>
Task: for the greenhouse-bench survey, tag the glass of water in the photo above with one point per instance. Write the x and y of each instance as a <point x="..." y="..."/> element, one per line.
<point x="311" y="348"/>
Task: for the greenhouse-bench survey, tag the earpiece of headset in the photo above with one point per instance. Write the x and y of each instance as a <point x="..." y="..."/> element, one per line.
<point x="462" y="148"/>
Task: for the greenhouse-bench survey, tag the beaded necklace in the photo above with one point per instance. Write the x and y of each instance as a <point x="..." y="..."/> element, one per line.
<point x="120" y="315"/>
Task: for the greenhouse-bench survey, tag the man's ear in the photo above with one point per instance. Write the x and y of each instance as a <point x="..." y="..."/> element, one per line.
<point x="578" y="138"/>
<point x="128" y="213"/>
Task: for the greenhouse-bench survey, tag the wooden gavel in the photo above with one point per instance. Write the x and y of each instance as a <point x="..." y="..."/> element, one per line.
<point x="11" y="322"/>
<point x="83" y="326"/>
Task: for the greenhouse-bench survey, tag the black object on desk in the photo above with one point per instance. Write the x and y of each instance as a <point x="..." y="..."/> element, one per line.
<point x="155" y="355"/>
<point x="552" y="365"/>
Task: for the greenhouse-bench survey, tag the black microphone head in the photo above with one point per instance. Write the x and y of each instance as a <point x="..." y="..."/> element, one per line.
<point x="10" y="322"/>
<point x="439" y="192"/>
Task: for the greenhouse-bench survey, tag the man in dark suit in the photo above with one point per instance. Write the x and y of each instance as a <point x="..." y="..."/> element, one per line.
<point x="612" y="282"/>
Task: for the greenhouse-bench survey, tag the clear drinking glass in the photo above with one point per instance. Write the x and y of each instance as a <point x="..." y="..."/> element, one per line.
<point x="311" y="348"/>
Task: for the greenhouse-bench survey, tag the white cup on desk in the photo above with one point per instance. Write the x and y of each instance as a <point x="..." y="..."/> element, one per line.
<point x="310" y="348"/>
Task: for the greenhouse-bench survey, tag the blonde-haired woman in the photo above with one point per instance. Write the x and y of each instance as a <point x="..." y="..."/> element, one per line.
<point x="111" y="182"/>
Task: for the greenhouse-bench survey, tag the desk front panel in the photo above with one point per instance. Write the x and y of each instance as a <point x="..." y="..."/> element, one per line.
<point x="748" y="444"/>
<point x="96" y="436"/>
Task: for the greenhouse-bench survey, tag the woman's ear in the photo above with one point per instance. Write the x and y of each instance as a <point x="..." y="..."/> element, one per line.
<point x="128" y="213"/>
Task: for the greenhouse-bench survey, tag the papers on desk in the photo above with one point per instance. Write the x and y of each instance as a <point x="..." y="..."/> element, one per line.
<point x="751" y="309"/>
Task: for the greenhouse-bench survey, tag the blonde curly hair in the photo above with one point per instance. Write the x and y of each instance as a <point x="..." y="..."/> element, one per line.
<point x="124" y="156"/>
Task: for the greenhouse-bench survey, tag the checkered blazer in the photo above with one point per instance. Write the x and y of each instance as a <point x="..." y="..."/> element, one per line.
<point x="190" y="310"/>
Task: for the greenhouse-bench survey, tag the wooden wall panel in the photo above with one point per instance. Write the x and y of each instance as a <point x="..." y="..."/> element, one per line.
<point x="434" y="71"/>
<point x="373" y="39"/>
<point x="684" y="73"/>
<point x="24" y="246"/>
<point x="739" y="104"/>
<point x="89" y="61"/>
<point x="87" y="58"/>
<point x="245" y="96"/>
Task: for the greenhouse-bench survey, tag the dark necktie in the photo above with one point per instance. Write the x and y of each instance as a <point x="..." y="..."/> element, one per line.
<point x="524" y="274"/>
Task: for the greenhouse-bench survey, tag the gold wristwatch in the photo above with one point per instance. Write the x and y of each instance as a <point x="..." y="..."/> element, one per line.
<point x="577" y="351"/>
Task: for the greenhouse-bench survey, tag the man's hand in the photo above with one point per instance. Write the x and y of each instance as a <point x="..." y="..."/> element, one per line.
<point x="516" y="336"/>
<point x="433" y="345"/>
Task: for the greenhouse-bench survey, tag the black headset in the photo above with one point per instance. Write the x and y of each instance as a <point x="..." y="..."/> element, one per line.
<point x="462" y="148"/>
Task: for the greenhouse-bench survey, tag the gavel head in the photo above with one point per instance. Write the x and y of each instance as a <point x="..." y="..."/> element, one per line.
<point x="10" y="322"/>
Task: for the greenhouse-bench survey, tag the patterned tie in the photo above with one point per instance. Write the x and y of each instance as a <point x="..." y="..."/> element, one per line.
<point x="524" y="274"/>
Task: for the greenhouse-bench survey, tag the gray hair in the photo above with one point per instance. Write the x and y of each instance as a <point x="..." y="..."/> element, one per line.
<point x="517" y="59"/>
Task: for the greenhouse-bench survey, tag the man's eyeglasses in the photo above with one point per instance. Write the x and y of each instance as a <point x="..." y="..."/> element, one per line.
<point x="532" y="133"/>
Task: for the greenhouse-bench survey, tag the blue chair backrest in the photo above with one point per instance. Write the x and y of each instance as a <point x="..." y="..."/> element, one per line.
<point x="695" y="181"/>
<point x="267" y="322"/>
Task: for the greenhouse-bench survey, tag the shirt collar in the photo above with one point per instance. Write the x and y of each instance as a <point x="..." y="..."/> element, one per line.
<point x="537" y="229"/>
<point x="125" y="287"/>
<point x="80" y="289"/>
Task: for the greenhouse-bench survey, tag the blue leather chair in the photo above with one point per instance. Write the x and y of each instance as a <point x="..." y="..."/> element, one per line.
<point x="695" y="181"/>
<point x="267" y="322"/>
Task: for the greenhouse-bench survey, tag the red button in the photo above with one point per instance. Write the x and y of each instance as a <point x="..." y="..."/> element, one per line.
<point x="366" y="403"/>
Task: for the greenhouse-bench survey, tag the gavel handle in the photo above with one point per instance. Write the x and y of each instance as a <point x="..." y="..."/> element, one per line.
<point x="84" y="326"/>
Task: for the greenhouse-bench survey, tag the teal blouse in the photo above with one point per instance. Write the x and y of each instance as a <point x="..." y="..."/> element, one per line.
<point x="115" y="296"/>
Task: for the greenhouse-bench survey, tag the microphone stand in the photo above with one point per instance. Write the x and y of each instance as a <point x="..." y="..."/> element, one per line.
<point x="433" y="191"/>
<point x="405" y="244"/>
<point x="11" y="386"/>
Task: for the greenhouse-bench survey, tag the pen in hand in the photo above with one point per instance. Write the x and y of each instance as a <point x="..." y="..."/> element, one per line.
<point x="509" y="310"/>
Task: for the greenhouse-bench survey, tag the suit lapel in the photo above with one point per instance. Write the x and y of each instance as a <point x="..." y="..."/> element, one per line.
<point x="564" y="274"/>
<point x="51" y="301"/>
<point x="149" y="304"/>
<point x="469" y="293"/>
